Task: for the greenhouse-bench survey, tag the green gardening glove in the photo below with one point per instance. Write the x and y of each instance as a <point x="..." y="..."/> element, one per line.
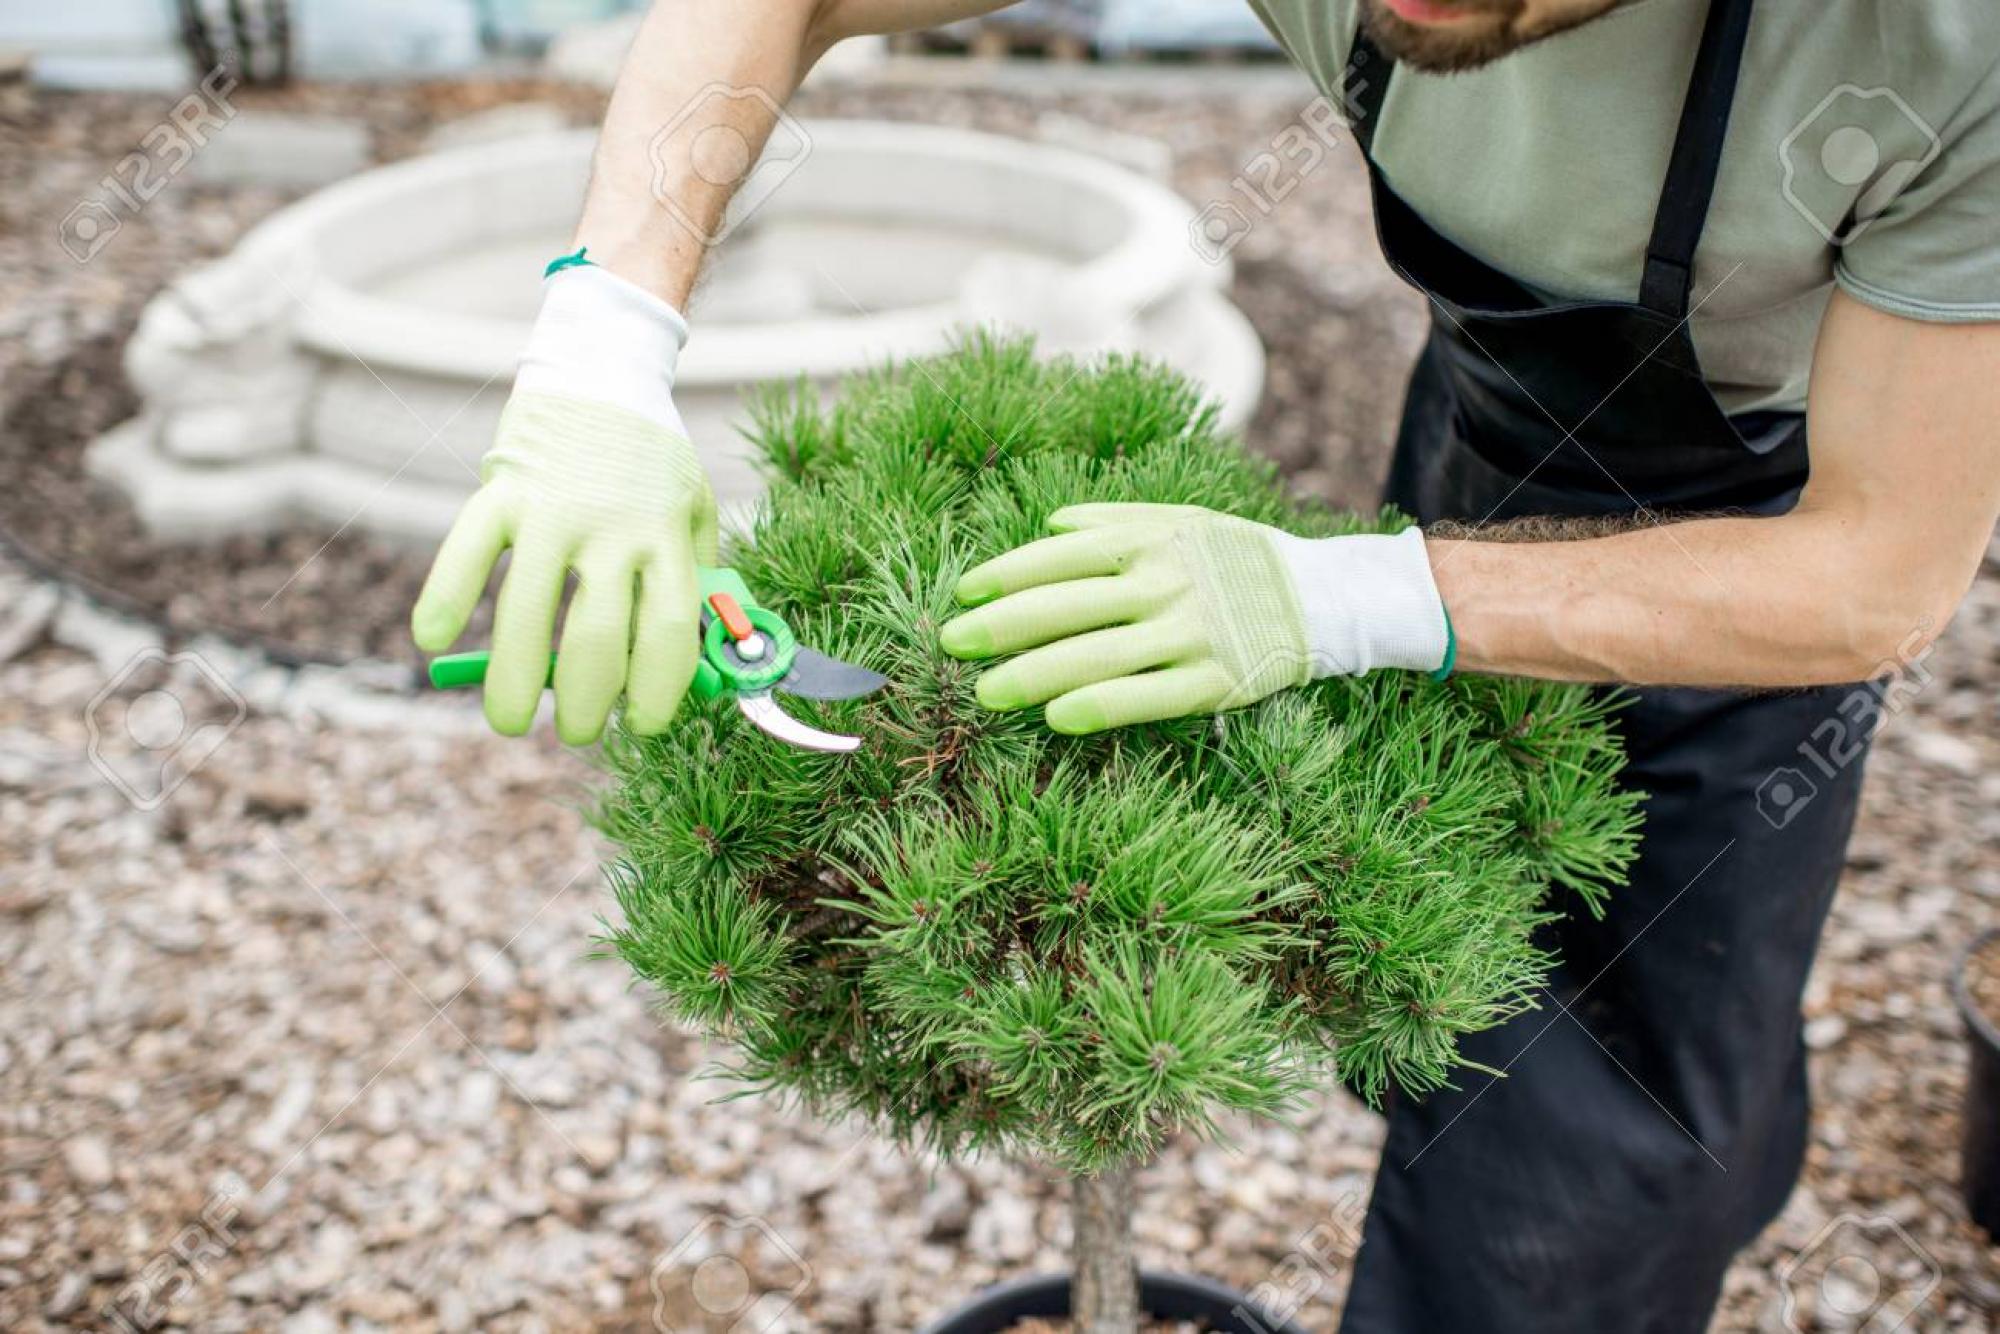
<point x="591" y="473"/>
<point x="1135" y="613"/>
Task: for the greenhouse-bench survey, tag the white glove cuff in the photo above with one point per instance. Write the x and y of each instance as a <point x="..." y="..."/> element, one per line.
<point x="600" y="337"/>
<point x="1368" y="601"/>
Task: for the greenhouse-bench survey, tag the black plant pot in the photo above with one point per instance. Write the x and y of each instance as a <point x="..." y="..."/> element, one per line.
<point x="1979" y="1169"/>
<point x="1161" y="1297"/>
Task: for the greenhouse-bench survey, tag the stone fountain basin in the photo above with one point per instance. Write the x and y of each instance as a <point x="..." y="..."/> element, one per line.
<point x="347" y="363"/>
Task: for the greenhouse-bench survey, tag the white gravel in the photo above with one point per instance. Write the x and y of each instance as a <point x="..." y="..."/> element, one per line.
<point x="325" y="1021"/>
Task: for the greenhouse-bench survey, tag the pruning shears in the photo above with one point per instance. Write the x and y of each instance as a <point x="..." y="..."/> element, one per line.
<point x="747" y="652"/>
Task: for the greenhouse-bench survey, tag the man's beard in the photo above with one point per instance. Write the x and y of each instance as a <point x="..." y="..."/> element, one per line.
<point x="1497" y="30"/>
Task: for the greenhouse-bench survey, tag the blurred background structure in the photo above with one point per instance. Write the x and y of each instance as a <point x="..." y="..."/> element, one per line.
<point x="295" y="379"/>
<point x="145" y="43"/>
<point x="297" y="1024"/>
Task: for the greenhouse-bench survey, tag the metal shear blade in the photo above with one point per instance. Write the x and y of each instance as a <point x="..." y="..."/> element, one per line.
<point x="816" y="676"/>
<point x="763" y="711"/>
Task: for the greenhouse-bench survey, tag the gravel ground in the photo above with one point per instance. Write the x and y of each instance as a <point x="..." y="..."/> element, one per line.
<point x="325" y="1020"/>
<point x="316" y="1042"/>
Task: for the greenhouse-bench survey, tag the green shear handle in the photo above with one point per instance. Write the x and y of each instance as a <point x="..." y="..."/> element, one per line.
<point x="721" y="667"/>
<point x="747" y="651"/>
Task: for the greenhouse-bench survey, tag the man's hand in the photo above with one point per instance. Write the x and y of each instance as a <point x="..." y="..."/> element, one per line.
<point x="591" y="473"/>
<point x="1141" y="612"/>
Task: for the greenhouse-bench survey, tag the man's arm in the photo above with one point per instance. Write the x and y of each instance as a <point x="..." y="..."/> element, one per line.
<point x="720" y="67"/>
<point x="1905" y="489"/>
<point x="591" y="473"/>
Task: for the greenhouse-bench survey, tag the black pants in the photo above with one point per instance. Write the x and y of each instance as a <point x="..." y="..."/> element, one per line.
<point x="1653" y="1117"/>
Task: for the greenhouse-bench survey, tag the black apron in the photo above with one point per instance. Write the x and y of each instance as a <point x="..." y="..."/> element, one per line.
<point x="1653" y="1117"/>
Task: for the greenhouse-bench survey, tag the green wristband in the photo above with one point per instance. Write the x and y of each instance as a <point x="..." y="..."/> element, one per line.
<point x="1443" y="673"/>
<point x="561" y="262"/>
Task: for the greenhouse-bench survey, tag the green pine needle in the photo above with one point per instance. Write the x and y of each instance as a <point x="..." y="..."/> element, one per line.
<point x="982" y="935"/>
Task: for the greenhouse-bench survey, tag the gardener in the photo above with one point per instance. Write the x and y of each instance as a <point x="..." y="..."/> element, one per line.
<point x="1658" y="243"/>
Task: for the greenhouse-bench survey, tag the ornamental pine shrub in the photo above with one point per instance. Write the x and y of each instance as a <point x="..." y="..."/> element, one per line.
<point x="980" y="934"/>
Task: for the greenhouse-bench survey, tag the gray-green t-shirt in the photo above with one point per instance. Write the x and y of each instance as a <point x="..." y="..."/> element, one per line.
<point x="1548" y="164"/>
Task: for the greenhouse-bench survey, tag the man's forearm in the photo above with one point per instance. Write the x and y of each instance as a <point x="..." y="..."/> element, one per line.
<point x="1789" y="601"/>
<point x="1886" y="538"/>
<point x="683" y="48"/>
<point x="695" y="102"/>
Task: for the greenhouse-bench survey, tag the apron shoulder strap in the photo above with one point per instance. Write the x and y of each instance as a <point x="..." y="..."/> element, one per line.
<point x="1367" y="84"/>
<point x="1668" y="285"/>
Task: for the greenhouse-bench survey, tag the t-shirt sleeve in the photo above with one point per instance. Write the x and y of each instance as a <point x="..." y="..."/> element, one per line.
<point x="1313" y="34"/>
<point x="1933" y="253"/>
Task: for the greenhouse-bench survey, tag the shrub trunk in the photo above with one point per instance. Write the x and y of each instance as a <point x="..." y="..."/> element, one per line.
<point x="1106" y="1299"/>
